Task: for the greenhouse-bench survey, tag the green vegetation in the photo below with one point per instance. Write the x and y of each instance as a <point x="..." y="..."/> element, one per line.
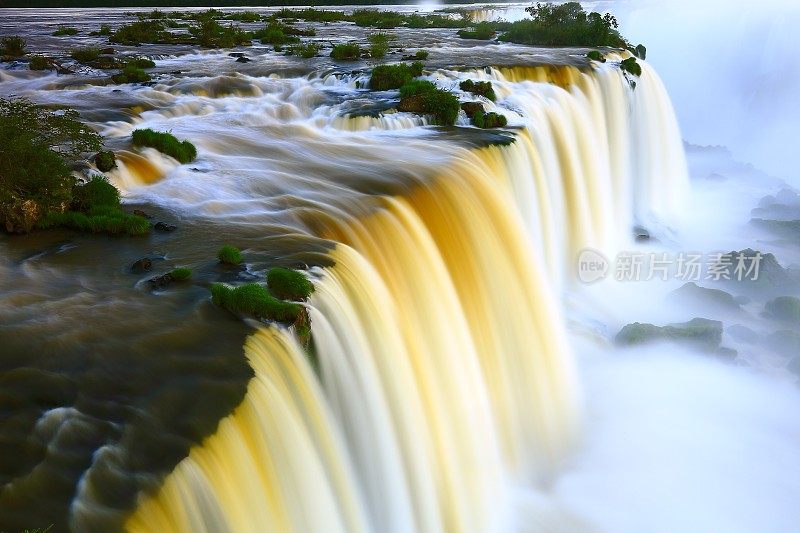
<point x="143" y="31"/>
<point x="639" y="51"/>
<point x="181" y="274"/>
<point x="209" y="33"/>
<point x="37" y="62"/>
<point x="306" y="51"/>
<point x="421" y="96"/>
<point x="288" y="284"/>
<point x="385" y="77"/>
<point x="105" y="29"/>
<point x="85" y="55"/>
<point x="229" y="255"/>
<point x="105" y="160"/>
<point x="482" y="88"/>
<point x="376" y="18"/>
<point x="65" y="30"/>
<point x="253" y="299"/>
<point x="166" y="143"/>
<point x="565" y="25"/>
<point x="378" y="45"/>
<point x="312" y="15"/>
<point x="421" y="55"/>
<point x="346" y="52"/>
<point x="275" y="33"/>
<point x="488" y="120"/>
<point x="13" y="46"/>
<point x="141" y="62"/>
<point x="482" y="31"/>
<point x="243" y="16"/>
<point x="416" y="20"/>
<point x="596" y="55"/>
<point x="630" y="65"/>
<point x="131" y="74"/>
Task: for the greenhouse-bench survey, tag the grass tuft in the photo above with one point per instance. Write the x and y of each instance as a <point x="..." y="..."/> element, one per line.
<point x="229" y="255"/>
<point x="254" y="299"/>
<point x="166" y="143"/>
<point x="288" y="284"/>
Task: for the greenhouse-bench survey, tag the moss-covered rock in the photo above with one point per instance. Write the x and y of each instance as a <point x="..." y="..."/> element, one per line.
<point x="229" y="255"/>
<point x="105" y="160"/>
<point x="470" y="108"/>
<point x="488" y="120"/>
<point x="255" y="300"/>
<point x="698" y="332"/>
<point x="386" y="77"/>
<point x="596" y="55"/>
<point x="481" y="88"/>
<point x="631" y="66"/>
<point x="288" y="284"/>
<point x="166" y="143"/>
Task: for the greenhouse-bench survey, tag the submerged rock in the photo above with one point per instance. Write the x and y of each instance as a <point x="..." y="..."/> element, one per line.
<point x="243" y="59"/>
<point x="140" y="213"/>
<point x="698" y="332"/>
<point x="141" y="265"/>
<point x="164" y="227"/>
<point x="161" y="282"/>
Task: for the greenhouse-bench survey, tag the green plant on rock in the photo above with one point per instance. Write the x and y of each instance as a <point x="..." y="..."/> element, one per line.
<point x="422" y="96"/>
<point x="288" y="284"/>
<point x="346" y="52"/>
<point x="377" y="18"/>
<point x="482" y="88"/>
<point x="275" y="33"/>
<point x="13" y="46"/>
<point x="482" y="31"/>
<point x="209" y="33"/>
<point x="85" y="55"/>
<point x="105" y="30"/>
<point x="143" y="31"/>
<point x="166" y="143"/>
<point x="385" y="77"/>
<point x="181" y="274"/>
<point x="255" y="300"/>
<point x="306" y="51"/>
<point x="229" y="255"/>
<point x="421" y="55"/>
<point x="488" y="120"/>
<point x="131" y="74"/>
<point x="596" y="55"/>
<point x="39" y="63"/>
<point x="378" y="44"/>
<point x="631" y="66"/>
<point x="65" y="30"/>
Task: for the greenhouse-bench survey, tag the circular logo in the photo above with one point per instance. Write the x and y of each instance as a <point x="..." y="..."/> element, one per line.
<point x="592" y="266"/>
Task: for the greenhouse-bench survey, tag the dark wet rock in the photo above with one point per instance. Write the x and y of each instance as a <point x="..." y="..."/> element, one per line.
<point x="784" y="341"/>
<point x="142" y="265"/>
<point x="161" y="282"/>
<point x="770" y="273"/>
<point x="698" y="332"/>
<point x="243" y="59"/>
<point x="108" y="51"/>
<point x="140" y="213"/>
<point x="236" y="54"/>
<point x="786" y="308"/>
<point x="470" y="108"/>
<point x="641" y="234"/>
<point x="412" y="104"/>
<point x="712" y="299"/>
<point x="105" y="160"/>
<point x="164" y="227"/>
<point x="743" y="334"/>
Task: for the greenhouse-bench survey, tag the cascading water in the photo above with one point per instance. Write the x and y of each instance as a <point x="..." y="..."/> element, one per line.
<point x="446" y="377"/>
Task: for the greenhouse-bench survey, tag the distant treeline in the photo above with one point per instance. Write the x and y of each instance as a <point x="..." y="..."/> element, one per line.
<point x="206" y="3"/>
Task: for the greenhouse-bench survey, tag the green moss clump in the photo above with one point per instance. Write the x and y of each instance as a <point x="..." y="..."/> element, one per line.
<point x="305" y="51"/>
<point x="630" y="65"/>
<point x="312" y="15"/>
<point x="482" y="88"/>
<point x="288" y="284"/>
<point x="166" y="143"/>
<point x="39" y="63"/>
<point x="253" y="299"/>
<point x="85" y="55"/>
<point x="276" y="33"/>
<point x="488" y="120"/>
<point x="377" y="18"/>
<point x="229" y="255"/>
<point x="65" y="30"/>
<point x="13" y="46"/>
<point x="105" y="160"/>
<point x="141" y="62"/>
<point x="422" y="55"/>
<point x="385" y="77"/>
<point x="378" y="45"/>
<point x="143" y="31"/>
<point x="105" y="29"/>
<point x="422" y="96"/>
<point x="181" y="274"/>
<point x="596" y="55"/>
<point x="482" y="31"/>
<point x="346" y="52"/>
<point x="131" y="74"/>
<point x="97" y="192"/>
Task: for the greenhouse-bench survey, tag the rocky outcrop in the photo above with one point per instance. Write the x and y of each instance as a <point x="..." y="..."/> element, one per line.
<point x="700" y="333"/>
<point x="20" y="216"/>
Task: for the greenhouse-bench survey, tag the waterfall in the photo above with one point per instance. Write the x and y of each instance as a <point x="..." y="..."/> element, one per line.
<point x="444" y="374"/>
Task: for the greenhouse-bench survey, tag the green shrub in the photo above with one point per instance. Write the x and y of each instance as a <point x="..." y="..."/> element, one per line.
<point x="630" y="65"/>
<point x="143" y="31"/>
<point x="596" y="55"/>
<point x="275" y="33"/>
<point x="181" y="274"/>
<point x="229" y="255"/>
<point x="97" y="192"/>
<point x="482" y="88"/>
<point x="306" y="51"/>
<point x="385" y="77"/>
<point x="565" y="25"/>
<point x="105" y="29"/>
<point x="377" y="18"/>
<point x="85" y="55"/>
<point x="416" y="20"/>
<point x="255" y="300"/>
<point x="378" y="45"/>
<point x="13" y="46"/>
<point x="209" y="33"/>
<point x="346" y="52"/>
<point x="39" y="63"/>
<point x="131" y="74"/>
<point x="311" y="14"/>
<point x="288" y="284"/>
<point x="488" y="120"/>
<point x="166" y="143"/>
<point x="64" y="30"/>
<point x="442" y="105"/>
<point x="482" y="31"/>
<point x="422" y="55"/>
<point x="415" y="87"/>
<point x="243" y="16"/>
<point x="112" y="223"/>
<point x="141" y="62"/>
<point x="105" y="160"/>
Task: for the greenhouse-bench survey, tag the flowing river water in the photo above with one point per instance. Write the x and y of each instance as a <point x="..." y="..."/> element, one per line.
<point x="464" y="379"/>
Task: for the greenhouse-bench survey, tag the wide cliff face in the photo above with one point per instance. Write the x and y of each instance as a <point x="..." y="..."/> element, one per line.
<point x="444" y="370"/>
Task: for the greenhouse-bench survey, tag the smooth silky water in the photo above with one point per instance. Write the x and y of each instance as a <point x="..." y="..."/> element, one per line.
<point x="464" y="379"/>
